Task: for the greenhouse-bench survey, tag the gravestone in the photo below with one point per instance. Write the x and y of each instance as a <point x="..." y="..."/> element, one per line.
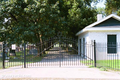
<point x="15" y="58"/>
<point x="33" y="52"/>
<point x="1" y="55"/>
<point x="12" y="52"/>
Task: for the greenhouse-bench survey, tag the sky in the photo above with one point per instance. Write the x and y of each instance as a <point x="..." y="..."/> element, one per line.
<point x="100" y="4"/>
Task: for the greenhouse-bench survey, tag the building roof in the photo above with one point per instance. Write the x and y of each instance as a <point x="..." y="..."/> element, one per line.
<point x="92" y="28"/>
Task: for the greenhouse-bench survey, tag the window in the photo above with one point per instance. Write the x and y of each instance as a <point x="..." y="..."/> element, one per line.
<point x="111" y="44"/>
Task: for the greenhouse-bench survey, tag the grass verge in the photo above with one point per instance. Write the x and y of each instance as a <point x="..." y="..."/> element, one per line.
<point x="18" y="60"/>
<point x="104" y="64"/>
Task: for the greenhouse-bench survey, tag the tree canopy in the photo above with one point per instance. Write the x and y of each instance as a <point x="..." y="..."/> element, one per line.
<point x="113" y="6"/>
<point x="101" y="10"/>
<point x="30" y="20"/>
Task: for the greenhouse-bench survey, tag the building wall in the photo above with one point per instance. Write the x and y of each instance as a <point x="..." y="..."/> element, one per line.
<point x="88" y="47"/>
<point x="81" y="37"/>
<point x="101" y="44"/>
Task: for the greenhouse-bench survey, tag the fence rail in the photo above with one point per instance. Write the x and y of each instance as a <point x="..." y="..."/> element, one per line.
<point x="108" y="55"/>
<point x="95" y="54"/>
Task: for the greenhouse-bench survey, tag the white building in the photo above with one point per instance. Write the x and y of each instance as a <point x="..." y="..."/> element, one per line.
<point x="106" y="33"/>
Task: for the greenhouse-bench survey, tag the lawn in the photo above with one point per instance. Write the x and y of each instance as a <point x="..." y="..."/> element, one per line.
<point x="20" y="59"/>
<point x="0" y="63"/>
<point x="110" y="64"/>
<point x="88" y="62"/>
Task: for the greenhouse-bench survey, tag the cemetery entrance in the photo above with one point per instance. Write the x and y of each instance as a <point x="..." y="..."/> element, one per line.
<point x="52" y="52"/>
<point x="56" y="52"/>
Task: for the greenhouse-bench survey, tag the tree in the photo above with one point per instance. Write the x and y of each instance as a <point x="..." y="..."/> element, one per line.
<point x="33" y="20"/>
<point x="101" y="10"/>
<point x="80" y="14"/>
<point x="112" y="6"/>
<point x="29" y="20"/>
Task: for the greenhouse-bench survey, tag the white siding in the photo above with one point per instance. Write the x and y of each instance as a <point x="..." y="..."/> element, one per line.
<point x="85" y="35"/>
<point x="101" y="39"/>
<point x="88" y="48"/>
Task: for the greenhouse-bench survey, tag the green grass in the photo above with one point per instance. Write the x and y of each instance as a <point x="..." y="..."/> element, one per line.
<point x="16" y="62"/>
<point x="110" y="64"/>
<point x="0" y="63"/>
<point x="89" y="63"/>
<point x="104" y="64"/>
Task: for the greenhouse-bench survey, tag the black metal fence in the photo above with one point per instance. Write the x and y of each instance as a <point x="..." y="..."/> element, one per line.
<point x="1" y="58"/>
<point x="11" y="57"/>
<point x="61" y="52"/>
<point x="51" y="52"/>
<point x="87" y="52"/>
<point x="108" y="55"/>
<point x="56" y="52"/>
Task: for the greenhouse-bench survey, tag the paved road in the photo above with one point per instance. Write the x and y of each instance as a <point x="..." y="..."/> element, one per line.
<point x="58" y="74"/>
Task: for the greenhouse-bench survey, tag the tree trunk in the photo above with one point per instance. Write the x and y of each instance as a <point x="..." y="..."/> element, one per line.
<point x="48" y="44"/>
<point x="66" y="46"/>
<point x="40" y="46"/>
<point x="74" y="47"/>
<point x="38" y="49"/>
<point x="43" y="47"/>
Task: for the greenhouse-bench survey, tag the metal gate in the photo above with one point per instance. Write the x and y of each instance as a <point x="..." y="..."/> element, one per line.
<point x="52" y="52"/>
<point x="60" y="52"/>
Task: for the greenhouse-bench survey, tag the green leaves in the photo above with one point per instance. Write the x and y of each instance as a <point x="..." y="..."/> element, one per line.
<point x="112" y="6"/>
<point x="29" y="19"/>
<point x="26" y="1"/>
<point x="79" y="16"/>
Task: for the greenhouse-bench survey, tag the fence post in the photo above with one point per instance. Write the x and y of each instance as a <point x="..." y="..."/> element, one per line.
<point x="24" y="55"/>
<point x="94" y="53"/>
<point x="3" y="55"/>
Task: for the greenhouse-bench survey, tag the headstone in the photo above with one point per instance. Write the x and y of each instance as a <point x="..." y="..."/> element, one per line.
<point x="7" y="57"/>
<point x="1" y="55"/>
<point x="12" y="52"/>
<point x="13" y="46"/>
<point x="33" y="52"/>
<point x="15" y="58"/>
<point x="6" y="60"/>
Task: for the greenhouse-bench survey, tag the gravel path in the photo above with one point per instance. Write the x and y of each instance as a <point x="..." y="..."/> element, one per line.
<point x="57" y="57"/>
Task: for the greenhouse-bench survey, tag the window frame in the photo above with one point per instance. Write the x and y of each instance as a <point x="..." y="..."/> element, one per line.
<point x="112" y="48"/>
